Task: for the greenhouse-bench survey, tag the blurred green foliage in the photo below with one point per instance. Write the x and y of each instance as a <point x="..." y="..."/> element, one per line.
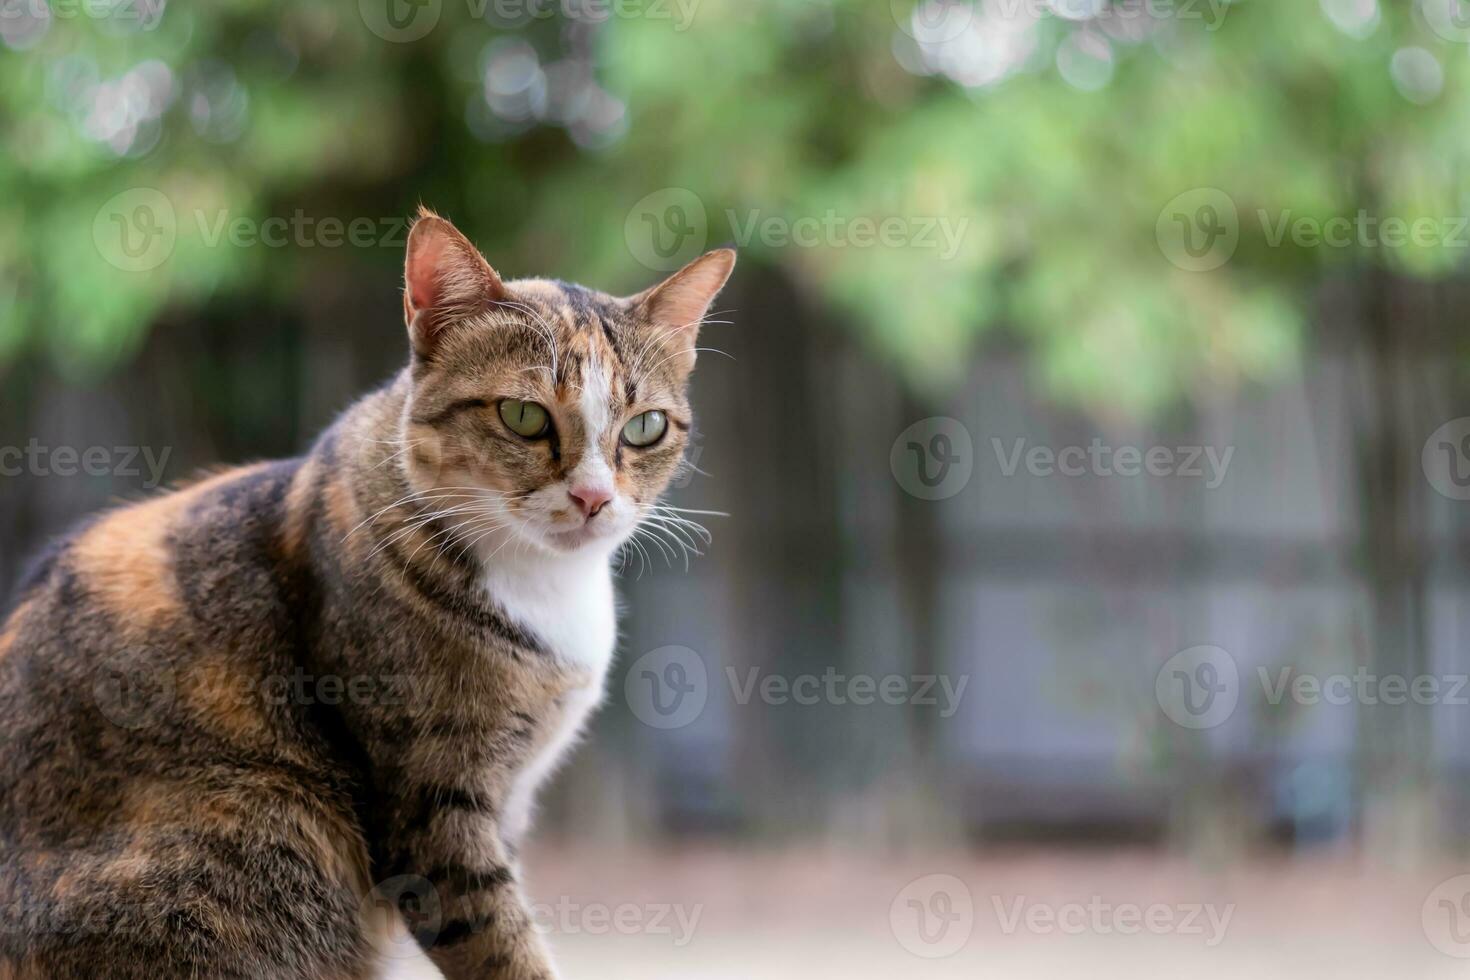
<point x="1054" y="141"/>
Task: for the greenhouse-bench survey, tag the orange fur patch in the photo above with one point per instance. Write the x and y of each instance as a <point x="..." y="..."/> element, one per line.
<point x="299" y="499"/>
<point x="224" y="699"/>
<point x="126" y="559"/>
<point x="273" y="810"/>
<point x="12" y="627"/>
<point x="342" y="510"/>
<point x="340" y="850"/>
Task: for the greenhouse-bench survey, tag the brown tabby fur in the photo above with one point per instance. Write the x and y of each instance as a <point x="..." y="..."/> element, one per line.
<point x="239" y="721"/>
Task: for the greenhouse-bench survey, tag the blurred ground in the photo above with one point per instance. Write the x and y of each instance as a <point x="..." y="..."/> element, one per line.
<point x="776" y="916"/>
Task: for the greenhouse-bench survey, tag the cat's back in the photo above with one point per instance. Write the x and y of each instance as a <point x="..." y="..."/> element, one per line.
<point x="152" y="748"/>
<point x="140" y="640"/>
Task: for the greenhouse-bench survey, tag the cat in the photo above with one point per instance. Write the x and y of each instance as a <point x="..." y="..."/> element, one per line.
<point x="259" y="726"/>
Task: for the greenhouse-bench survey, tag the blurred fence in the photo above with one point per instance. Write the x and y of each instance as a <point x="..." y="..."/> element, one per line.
<point x="1020" y="621"/>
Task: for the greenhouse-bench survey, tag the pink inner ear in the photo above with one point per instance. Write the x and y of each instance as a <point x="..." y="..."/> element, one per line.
<point x="423" y="266"/>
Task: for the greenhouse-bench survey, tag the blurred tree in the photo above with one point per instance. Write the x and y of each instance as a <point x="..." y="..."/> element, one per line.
<point x="1038" y="135"/>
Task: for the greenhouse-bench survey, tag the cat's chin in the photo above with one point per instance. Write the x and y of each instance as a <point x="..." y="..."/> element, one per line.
<point x="587" y="538"/>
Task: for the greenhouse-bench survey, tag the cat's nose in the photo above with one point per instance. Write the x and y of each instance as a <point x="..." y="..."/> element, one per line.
<point x="590" y="499"/>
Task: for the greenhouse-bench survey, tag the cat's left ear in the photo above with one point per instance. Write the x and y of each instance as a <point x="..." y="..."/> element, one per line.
<point x="678" y="304"/>
<point x="445" y="278"/>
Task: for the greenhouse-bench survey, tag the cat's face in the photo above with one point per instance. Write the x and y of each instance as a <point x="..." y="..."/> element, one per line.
<point x="553" y="414"/>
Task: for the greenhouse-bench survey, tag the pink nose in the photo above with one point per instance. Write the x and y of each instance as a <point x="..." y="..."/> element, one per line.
<point x="590" y="499"/>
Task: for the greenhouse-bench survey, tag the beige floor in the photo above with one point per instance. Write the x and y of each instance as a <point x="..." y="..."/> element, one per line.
<point x="775" y="916"/>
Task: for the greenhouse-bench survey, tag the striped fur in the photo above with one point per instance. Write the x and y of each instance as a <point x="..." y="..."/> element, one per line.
<point x="244" y="722"/>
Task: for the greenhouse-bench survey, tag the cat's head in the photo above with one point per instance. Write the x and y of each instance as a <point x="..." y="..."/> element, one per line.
<point x="566" y="407"/>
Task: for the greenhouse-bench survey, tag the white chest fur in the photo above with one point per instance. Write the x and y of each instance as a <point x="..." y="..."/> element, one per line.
<point x="568" y="602"/>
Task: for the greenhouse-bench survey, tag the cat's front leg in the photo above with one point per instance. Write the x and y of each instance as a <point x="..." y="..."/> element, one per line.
<point x="470" y="915"/>
<point x="487" y="931"/>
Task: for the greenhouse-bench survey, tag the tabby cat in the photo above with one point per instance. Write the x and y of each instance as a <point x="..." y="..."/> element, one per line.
<point x="260" y="726"/>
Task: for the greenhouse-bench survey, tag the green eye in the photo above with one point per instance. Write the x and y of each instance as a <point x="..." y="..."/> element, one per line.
<point x="525" y="419"/>
<point x="645" y="429"/>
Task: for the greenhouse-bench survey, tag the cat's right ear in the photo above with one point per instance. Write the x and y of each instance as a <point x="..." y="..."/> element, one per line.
<point x="445" y="279"/>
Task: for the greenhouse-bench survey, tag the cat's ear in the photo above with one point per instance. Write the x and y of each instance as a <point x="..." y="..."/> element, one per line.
<point x="678" y="304"/>
<point x="445" y="278"/>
